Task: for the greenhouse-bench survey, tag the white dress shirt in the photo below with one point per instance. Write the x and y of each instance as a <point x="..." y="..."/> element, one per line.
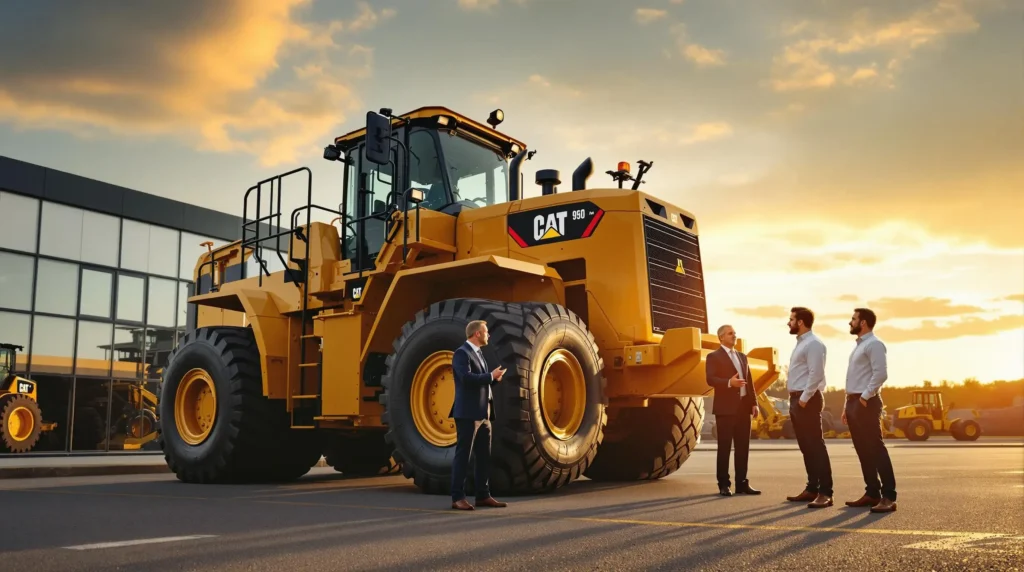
<point x="867" y="370"/>
<point x="807" y="367"/>
<point x="480" y="357"/>
<point x="731" y="352"/>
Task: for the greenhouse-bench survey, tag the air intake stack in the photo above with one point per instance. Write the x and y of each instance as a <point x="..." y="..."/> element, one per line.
<point x="548" y="179"/>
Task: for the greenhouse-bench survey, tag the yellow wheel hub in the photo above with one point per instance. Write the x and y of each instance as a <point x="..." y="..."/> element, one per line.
<point x="20" y="424"/>
<point x="970" y="430"/>
<point x="139" y="427"/>
<point x="195" y="406"/>
<point x="431" y="398"/>
<point x="563" y="394"/>
<point x="919" y="431"/>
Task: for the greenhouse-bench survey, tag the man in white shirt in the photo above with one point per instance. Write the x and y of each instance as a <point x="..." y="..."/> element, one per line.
<point x="806" y="384"/>
<point x="865" y="374"/>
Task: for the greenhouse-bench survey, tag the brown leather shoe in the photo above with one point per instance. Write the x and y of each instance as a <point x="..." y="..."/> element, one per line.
<point x="885" y="506"/>
<point x="864" y="501"/>
<point x="461" y="504"/>
<point x="489" y="501"/>
<point x="803" y="497"/>
<point x="821" y="502"/>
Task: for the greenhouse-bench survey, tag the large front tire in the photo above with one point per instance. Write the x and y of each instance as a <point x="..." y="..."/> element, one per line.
<point x="549" y="408"/>
<point x="648" y="443"/>
<point x="215" y="423"/>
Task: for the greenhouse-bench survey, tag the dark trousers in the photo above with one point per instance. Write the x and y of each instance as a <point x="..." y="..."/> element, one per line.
<point x="472" y="436"/>
<point x="807" y="424"/>
<point x="866" y="431"/>
<point x="733" y="429"/>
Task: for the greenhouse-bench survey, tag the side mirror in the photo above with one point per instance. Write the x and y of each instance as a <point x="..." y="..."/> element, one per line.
<point x="378" y="138"/>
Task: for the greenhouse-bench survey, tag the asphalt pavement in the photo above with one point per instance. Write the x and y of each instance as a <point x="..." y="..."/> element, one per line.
<point x="959" y="508"/>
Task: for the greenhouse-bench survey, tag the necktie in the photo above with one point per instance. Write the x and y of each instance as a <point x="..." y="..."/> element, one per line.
<point x="736" y="362"/>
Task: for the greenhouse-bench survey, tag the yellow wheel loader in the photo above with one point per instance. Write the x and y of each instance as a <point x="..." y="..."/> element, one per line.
<point x="594" y="299"/>
<point x="927" y="415"/>
<point x="21" y="419"/>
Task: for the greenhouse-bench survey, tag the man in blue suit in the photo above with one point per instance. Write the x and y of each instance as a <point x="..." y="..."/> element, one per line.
<point x="472" y="411"/>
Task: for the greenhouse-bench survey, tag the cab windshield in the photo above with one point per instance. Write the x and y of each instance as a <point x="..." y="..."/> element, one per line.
<point x="5" y="363"/>
<point x="478" y="174"/>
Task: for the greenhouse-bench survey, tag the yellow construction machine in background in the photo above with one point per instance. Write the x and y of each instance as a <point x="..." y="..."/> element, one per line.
<point x="926" y="415"/>
<point x="21" y="420"/>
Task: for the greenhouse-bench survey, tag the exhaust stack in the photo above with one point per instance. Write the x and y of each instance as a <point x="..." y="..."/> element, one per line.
<point x="581" y="174"/>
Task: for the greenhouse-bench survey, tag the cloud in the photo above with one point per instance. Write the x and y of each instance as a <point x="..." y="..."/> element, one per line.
<point x="929" y="330"/>
<point x="837" y="260"/>
<point x="708" y="132"/>
<point x="894" y="308"/>
<point x="236" y="76"/>
<point x="702" y="56"/>
<point x="827" y="55"/>
<point x="1015" y="298"/>
<point x="477" y="4"/>
<point x="762" y="312"/>
<point x="648" y="15"/>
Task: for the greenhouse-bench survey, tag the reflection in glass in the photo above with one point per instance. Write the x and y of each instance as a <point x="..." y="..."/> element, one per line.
<point x="129" y="352"/>
<point x="479" y="175"/>
<point x="14" y="330"/>
<point x="134" y="245"/>
<point x="92" y="402"/>
<point x="159" y="343"/>
<point x="149" y="248"/>
<point x="16" y="281"/>
<point x="96" y="293"/>
<point x="20" y="219"/>
<point x="57" y="287"/>
<point x="161" y="303"/>
<point x="93" y="358"/>
<point x="99" y="238"/>
<point x="130" y="293"/>
<point x="182" y="307"/>
<point x="61" y="235"/>
<point x="53" y="343"/>
<point x="163" y="251"/>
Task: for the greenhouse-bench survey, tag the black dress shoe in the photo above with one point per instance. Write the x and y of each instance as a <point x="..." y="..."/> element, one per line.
<point x="724" y="491"/>
<point x="747" y="490"/>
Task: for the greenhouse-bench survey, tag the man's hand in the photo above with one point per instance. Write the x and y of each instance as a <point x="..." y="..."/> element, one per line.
<point x="497" y="372"/>
<point x="753" y="411"/>
<point x="845" y="422"/>
<point x="803" y="403"/>
<point x="862" y="402"/>
<point x="736" y="381"/>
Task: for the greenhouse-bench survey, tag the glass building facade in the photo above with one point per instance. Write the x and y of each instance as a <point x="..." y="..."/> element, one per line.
<point x="94" y="281"/>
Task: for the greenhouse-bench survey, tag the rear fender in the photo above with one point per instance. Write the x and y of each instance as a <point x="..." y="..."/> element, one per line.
<point x="259" y="311"/>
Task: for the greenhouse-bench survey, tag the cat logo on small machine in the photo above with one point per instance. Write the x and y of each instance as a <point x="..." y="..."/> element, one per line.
<point x="24" y="387"/>
<point x="554" y="224"/>
<point x="357" y="292"/>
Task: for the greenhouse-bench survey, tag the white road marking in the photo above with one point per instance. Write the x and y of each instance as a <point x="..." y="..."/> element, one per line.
<point x="979" y="542"/>
<point x="100" y="545"/>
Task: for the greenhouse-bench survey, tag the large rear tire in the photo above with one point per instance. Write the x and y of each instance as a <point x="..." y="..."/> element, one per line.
<point x="648" y="443"/>
<point x="549" y="408"/>
<point x="216" y="426"/>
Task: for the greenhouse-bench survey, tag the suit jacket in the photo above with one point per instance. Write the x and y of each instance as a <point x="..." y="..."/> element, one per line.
<point x="472" y="380"/>
<point x="718" y="370"/>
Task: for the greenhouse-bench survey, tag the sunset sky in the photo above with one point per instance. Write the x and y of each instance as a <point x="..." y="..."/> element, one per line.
<point x="836" y="153"/>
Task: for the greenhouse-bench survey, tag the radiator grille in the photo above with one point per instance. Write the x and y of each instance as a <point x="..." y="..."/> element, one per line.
<point x="677" y="298"/>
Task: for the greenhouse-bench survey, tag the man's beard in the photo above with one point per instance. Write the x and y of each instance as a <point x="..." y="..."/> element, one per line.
<point x="794" y="330"/>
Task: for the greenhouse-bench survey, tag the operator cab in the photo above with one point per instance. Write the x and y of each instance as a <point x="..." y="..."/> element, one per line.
<point x="457" y="163"/>
<point x="8" y="354"/>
